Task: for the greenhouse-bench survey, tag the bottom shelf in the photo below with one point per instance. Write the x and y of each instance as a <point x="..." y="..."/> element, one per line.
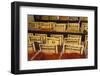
<point x="44" y="56"/>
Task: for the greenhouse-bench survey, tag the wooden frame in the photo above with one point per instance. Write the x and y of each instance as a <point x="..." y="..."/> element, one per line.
<point x="15" y="37"/>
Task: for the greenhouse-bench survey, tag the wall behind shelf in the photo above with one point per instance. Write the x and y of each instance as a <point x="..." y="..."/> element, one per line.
<point x="5" y="35"/>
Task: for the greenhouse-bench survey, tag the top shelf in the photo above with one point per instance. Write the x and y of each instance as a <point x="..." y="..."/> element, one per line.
<point x="59" y="19"/>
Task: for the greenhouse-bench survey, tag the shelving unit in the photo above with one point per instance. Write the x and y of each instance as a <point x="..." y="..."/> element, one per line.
<point x="38" y="19"/>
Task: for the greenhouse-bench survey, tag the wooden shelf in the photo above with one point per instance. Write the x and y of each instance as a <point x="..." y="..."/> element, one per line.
<point x="58" y="21"/>
<point x="54" y="32"/>
<point x="38" y="19"/>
